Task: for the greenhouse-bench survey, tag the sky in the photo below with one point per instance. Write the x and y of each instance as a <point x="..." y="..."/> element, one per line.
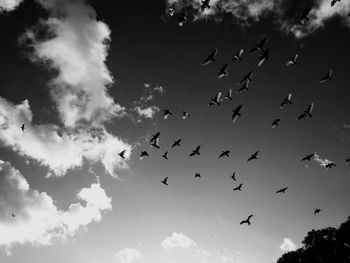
<point x="89" y="79"/>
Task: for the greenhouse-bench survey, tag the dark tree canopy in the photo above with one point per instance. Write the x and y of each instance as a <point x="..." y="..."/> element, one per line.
<point x="327" y="245"/>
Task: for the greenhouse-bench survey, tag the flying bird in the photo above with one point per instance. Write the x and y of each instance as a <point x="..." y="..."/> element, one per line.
<point x="225" y="153"/>
<point x="238" y="55"/>
<point x="259" y="46"/>
<point x="211" y="57"/>
<point x="293" y="60"/>
<point x="317" y="211"/>
<point x="286" y="100"/>
<point x="122" y="154"/>
<point x="330" y="165"/>
<point x="238" y="188"/>
<point x="215" y="100"/>
<point x="283" y="190"/>
<point x="182" y="19"/>
<point x="307" y="112"/>
<point x="155" y="137"/>
<point x="13" y="215"/>
<point x="228" y="95"/>
<point x="347" y="161"/>
<point x="334" y="2"/>
<point x="165" y="181"/>
<point x="304" y="16"/>
<point x="205" y="4"/>
<point x="327" y="77"/>
<point x="197" y="175"/>
<point x="155" y="143"/>
<point x="23" y="127"/>
<point x="185" y="115"/>
<point x="143" y="155"/>
<point x="165" y="155"/>
<point x="223" y="71"/>
<point x="263" y="57"/>
<point x="176" y="143"/>
<point x="254" y="156"/>
<point x="276" y="123"/>
<point x="244" y="87"/>
<point x="167" y="113"/>
<point x="171" y="11"/>
<point x="308" y="157"/>
<point x="236" y="113"/>
<point x="195" y="151"/>
<point x="247" y="221"/>
<point x="247" y="77"/>
<point x="233" y="176"/>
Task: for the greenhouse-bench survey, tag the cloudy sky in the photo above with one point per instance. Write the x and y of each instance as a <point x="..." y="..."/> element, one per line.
<point x="89" y="79"/>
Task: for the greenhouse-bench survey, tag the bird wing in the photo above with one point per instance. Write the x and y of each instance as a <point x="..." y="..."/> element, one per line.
<point x="249" y="217"/>
<point x="310" y="108"/>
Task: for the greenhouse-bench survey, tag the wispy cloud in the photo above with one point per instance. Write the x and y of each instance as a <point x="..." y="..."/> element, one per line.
<point x="321" y="161"/>
<point x="148" y="112"/>
<point x="56" y="148"/>
<point x="9" y="5"/>
<point x="37" y="219"/>
<point x="128" y="255"/>
<point x="288" y="245"/>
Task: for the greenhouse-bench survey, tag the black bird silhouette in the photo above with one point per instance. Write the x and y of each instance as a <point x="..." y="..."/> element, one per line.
<point x="228" y="95"/>
<point x="254" y="156"/>
<point x="327" y="77"/>
<point x="263" y="57"/>
<point x="185" y="115"/>
<point x="165" y="155"/>
<point x="13" y="215"/>
<point x="307" y="112"/>
<point x="247" y="221"/>
<point x="223" y="71"/>
<point x="233" y="176"/>
<point x="238" y="188"/>
<point x="167" y="113"/>
<point x="211" y="57"/>
<point x="330" y="165"/>
<point x="205" y="4"/>
<point x="283" y="190"/>
<point x="195" y="151"/>
<point x="122" y="154"/>
<point x="182" y="19"/>
<point x="155" y="137"/>
<point x="238" y="55"/>
<point x="236" y="113"/>
<point x="215" y="100"/>
<point x="165" y="181"/>
<point x="247" y="77"/>
<point x="244" y="87"/>
<point x="276" y="123"/>
<point x="305" y="16"/>
<point x="176" y="143"/>
<point x="197" y="175"/>
<point x="144" y="154"/>
<point x="225" y="153"/>
<point x="334" y="2"/>
<point x="347" y="161"/>
<point x="286" y="100"/>
<point x="259" y="46"/>
<point x="23" y="127"/>
<point x="308" y="157"/>
<point x="292" y="60"/>
<point x="155" y="143"/>
<point x="317" y="211"/>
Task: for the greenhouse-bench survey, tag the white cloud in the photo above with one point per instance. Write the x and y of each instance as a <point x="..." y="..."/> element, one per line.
<point x="76" y="47"/>
<point x="9" y="5"/>
<point x="178" y="241"/>
<point x="148" y="112"/>
<point x="321" y="161"/>
<point x="226" y="259"/>
<point x="128" y="255"/>
<point x="288" y="245"/>
<point x="56" y="148"/>
<point x="37" y="220"/>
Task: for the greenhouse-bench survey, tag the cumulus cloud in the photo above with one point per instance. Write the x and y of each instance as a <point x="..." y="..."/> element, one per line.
<point x="9" y="5"/>
<point x="178" y="241"/>
<point x="148" y="112"/>
<point x="288" y="245"/>
<point x="56" y="148"/>
<point x="321" y="161"/>
<point x="37" y="219"/>
<point x="128" y="255"/>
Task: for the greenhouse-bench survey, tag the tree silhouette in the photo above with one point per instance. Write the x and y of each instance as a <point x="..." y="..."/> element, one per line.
<point x="327" y="245"/>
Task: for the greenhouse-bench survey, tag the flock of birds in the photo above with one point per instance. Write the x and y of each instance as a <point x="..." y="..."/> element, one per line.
<point x="236" y="112"/>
